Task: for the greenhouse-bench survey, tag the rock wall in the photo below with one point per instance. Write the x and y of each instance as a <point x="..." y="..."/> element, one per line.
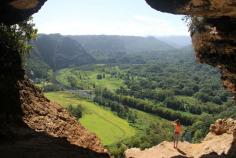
<point x="203" y="8"/>
<point x="13" y="11"/>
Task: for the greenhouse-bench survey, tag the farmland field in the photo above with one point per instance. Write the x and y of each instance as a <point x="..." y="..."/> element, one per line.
<point x="106" y="125"/>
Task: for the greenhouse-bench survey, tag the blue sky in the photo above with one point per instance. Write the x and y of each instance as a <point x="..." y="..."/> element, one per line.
<point x="109" y="17"/>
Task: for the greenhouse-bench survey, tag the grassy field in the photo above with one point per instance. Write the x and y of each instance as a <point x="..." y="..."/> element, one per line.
<point x="145" y="119"/>
<point x="106" y="125"/>
<point x="87" y="79"/>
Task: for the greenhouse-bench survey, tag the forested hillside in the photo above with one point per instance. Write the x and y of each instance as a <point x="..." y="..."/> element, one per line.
<point x="101" y="46"/>
<point x="56" y="52"/>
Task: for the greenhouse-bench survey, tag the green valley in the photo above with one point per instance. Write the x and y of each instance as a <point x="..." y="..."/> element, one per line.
<point x="97" y="77"/>
<point x="128" y="95"/>
<point x="107" y="126"/>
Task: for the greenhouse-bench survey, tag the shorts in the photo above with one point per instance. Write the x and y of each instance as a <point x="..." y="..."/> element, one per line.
<point x="176" y="136"/>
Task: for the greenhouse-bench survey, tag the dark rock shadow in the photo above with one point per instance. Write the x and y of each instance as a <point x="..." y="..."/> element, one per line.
<point x="31" y="144"/>
<point x="181" y="152"/>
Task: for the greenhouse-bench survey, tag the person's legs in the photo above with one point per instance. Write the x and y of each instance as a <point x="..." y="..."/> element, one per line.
<point x="176" y="140"/>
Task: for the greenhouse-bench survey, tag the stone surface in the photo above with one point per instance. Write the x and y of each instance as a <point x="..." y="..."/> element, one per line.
<point x="204" y="8"/>
<point x="219" y="143"/>
<point x="13" y="11"/>
<point x="224" y="126"/>
<point x="44" y="116"/>
<point x="215" y="44"/>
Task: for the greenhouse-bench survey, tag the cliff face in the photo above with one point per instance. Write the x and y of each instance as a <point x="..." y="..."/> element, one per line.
<point x="219" y="143"/>
<point x="204" y="8"/>
<point x="213" y="32"/>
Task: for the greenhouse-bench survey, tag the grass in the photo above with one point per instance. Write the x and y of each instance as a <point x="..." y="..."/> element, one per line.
<point x="106" y="125"/>
<point x="145" y="119"/>
<point x="108" y="82"/>
<point x="86" y="79"/>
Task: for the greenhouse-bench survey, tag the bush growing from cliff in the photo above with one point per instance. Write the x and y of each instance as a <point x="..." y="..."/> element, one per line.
<point x="17" y="36"/>
<point x="76" y="111"/>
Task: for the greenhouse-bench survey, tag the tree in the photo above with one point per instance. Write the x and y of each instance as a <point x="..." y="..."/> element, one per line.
<point x="18" y="36"/>
<point x="73" y="81"/>
<point x="76" y="111"/>
<point x="99" y="77"/>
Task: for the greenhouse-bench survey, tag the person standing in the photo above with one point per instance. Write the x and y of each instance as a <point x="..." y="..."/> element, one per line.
<point x="177" y="132"/>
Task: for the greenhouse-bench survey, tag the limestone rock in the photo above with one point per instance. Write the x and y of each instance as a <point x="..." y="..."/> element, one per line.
<point x="13" y="11"/>
<point x="219" y="143"/>
<point x="224" y="126"/>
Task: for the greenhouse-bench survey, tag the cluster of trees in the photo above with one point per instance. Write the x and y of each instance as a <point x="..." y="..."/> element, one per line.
<point x="167" y="98"/>
<point x="121" y="110"/>
<point x="147" y="106"/>
<point x="199" y="129"/>
<point x="100" y="76"/>
<point x="52" y="88"/>
<point x="181" y="76"/>
<point x="152" y="135"/>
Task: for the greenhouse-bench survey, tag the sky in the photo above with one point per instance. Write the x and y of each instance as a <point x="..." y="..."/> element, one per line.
<point x="106" y="17"/>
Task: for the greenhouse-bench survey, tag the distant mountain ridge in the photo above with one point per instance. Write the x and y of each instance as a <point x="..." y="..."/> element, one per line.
<point x="55" y="51"/>
<point x="176" y="41"/>
<point x="129" y="44"/>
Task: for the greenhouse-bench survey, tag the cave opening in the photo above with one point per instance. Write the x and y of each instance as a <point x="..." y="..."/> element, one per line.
<point x="136" y="23"/>
<point x="225" y="62"/>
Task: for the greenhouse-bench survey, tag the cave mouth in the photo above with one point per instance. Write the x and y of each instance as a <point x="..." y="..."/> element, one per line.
<point x="226" y="77"/>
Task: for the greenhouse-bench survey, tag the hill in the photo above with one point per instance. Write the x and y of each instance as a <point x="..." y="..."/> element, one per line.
<point x="57" y="51"/>
<point x="116" y="46"/>
<point x="176" y="41"/>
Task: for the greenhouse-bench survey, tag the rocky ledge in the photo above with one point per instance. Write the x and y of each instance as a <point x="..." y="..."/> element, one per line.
<point x="219" y="143"/>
